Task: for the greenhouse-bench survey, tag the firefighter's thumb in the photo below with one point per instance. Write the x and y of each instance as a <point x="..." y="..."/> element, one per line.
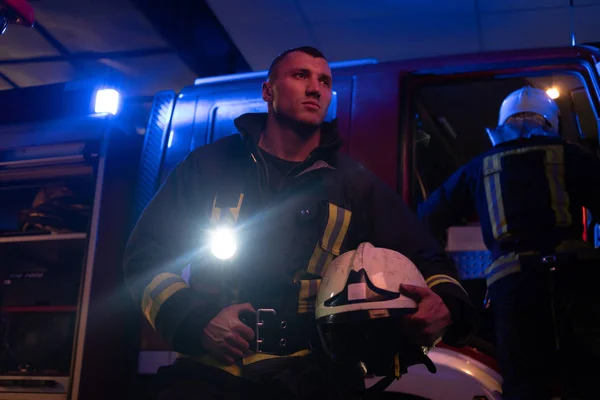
<point x="245" y="313"/>
<point x="414" y="292"/>
<point x="244" y="307"/>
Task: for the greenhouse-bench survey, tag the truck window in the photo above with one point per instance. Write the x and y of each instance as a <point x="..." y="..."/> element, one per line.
<point x="223" y="115"/>
<point x="451" y="120"/>
<point x="449" y="128"/>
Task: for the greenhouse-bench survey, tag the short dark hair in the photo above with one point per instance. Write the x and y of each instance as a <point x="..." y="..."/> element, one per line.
<point x="311" y="51"/>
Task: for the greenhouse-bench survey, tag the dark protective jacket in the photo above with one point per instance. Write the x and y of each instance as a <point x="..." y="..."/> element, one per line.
<point x="287" y="235"/>
<point x="529" y="194"/>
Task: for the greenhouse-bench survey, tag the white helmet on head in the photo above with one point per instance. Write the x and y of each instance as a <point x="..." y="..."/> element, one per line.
<point x="538" y="116"/>
<point x="529" y="100"/>
<point x="359" y="309"/>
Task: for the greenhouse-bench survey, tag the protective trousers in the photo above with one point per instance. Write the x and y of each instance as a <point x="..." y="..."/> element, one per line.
<point x="547" y="322"/>
<point x="309" y="378"/>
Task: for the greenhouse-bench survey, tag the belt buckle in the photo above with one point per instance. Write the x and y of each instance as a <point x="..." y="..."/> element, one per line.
<point x="551" y="259"/>
<point x="258" y="324"/>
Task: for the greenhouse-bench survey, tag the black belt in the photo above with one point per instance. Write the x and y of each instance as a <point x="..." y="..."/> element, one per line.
<point x="281" y="333"/>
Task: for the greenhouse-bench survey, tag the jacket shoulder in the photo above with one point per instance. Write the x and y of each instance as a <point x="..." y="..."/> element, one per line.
<point x="223" y="147"/>
<point x="348" y="166"/>
<point x="219" y="153"/>
<point x="354" y="173"/>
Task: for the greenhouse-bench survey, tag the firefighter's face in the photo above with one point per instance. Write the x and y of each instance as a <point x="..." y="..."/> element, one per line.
<point x="300" y="89"/>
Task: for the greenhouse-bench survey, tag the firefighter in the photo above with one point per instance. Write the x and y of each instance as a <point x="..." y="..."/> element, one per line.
<point x="529" y="191"/>
<point x="258" y="216"/>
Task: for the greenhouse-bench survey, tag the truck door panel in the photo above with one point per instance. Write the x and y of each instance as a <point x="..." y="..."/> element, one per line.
<point x="374" y="141"/>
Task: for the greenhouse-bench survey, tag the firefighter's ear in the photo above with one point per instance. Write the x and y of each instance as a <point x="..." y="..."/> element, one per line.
<point x="267" y="92"/>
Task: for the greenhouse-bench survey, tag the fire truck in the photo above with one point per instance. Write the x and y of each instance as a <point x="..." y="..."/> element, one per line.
<point x="413" y="123"/>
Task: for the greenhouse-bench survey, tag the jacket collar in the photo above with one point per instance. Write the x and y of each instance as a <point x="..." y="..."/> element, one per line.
<point x="251" y="126"/>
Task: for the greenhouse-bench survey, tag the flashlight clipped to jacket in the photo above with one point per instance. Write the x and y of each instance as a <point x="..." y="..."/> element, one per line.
<point x="225" y="212"/>
<point x="223" y="244"/>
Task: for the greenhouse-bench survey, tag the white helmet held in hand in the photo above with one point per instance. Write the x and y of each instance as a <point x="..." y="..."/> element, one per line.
<point x="359" y="310"/>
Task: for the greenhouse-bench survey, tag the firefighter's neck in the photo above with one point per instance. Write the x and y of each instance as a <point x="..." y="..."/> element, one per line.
<point x="287" y="140"/>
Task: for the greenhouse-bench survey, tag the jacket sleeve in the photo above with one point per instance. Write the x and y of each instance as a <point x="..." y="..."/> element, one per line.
<point x="165" y="239"/>
<point x="448" y="205"/>
<point x="396" y="227"/>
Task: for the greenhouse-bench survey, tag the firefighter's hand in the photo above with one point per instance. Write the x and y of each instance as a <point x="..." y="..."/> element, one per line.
<point x="227" y="338"/>
<point x="428" y="324"/>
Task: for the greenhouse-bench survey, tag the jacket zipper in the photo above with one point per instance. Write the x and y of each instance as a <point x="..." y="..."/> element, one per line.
<point x="260" y="175"/>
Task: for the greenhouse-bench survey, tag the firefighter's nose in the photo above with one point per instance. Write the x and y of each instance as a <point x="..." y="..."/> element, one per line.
<point x="313" y="92"/>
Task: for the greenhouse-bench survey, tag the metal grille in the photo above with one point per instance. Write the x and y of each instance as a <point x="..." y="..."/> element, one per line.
<point x="471" y="264"/>
<point x="154" y="147"/>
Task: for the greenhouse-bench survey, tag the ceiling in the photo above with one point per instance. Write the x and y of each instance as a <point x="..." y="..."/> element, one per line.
<point x="142" y="46"/>
<point x="400" y="29"/>
<point x="150" y="45"/>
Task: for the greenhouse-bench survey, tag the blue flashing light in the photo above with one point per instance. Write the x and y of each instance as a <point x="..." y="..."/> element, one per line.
<point x="107" y="101"/>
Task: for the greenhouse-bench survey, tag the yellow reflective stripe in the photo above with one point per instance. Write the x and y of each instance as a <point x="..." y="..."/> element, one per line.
<point x="505" y="265"/>
<point x="237" y="369"/>
<point x="442" y="278"/>
<point x="162" y="297"/>
<point x="433" y="278"/>
<point x="330" y="245"/>
<point x="511" y="263"/>
<point x="314" y="259"/>
<point x="500" y="261"/>
<point x="319" y="261"/>
<point x="158" y="279"/>
<point x="555" y="173"/>
<point x="215" y="215"/>
<point x="233" y="369"/>
<point x="336" y="229"/>
<point x="308" y="295"/>
<point x="162" y="287"/>
<point x="493" y="192"/>
<point x="232" y="215"/>
<point x="235" y="212"/>
<point x="337" y="245"/>
<point x="258" y="357"/>
<point x="510" y="269"/>
<point x="330" y="224"/>
<point x="303" y="297"/>
<point x="325" y="251"/>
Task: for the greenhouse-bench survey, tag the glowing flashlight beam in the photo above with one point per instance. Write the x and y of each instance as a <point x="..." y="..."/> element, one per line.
<point x="223" y="244"/>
